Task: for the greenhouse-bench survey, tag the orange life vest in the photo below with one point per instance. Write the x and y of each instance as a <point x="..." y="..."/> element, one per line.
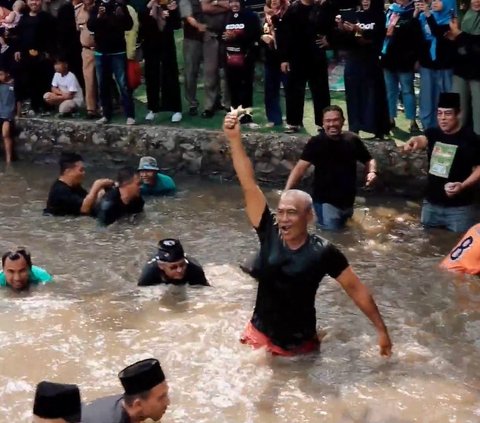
<point x="465" y="256"/>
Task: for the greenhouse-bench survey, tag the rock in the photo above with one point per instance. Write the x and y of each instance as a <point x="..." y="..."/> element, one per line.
<point x="187" y="146"/>
<point x="169" y="144"/>
<point x="262" y="167"/>
<point x="64" y="139"/>
<point x="98" y="140"/>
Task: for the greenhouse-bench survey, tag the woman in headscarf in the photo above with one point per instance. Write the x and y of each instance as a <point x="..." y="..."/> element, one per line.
<point x="274" y="11"/>
<point x="466" y="72"/>
<point x="399" y="54"/>
<point x="436" y="56"/>
<point x="364" y="84"/>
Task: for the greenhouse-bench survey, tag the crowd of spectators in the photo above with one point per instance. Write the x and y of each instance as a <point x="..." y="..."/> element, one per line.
<point x="73" y="54"/>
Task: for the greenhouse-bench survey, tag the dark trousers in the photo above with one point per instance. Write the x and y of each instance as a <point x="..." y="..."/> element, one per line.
<point x="161" y="73"/>
<point x="366" y="96"/>
<point x="316" y="74"/>
<point x="274" y="77"/>
<point x="105" y="66"/>
<point x="35" y="74"/>
<point x="240" y="83"/>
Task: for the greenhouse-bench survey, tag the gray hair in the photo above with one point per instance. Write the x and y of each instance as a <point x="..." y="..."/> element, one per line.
<point x="300" y="195"/>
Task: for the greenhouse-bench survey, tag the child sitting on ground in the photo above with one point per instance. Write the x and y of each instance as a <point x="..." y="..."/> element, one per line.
<point x="7" y="111"/>
<point x="66" y="92"/>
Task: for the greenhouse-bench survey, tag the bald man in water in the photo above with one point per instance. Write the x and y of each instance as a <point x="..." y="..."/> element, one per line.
<point x="290" y="265"/>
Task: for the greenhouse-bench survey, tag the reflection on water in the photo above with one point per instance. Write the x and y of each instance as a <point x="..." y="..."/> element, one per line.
<point x="94" y="320"/>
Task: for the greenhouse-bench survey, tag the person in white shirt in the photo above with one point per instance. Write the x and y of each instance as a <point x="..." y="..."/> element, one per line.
<point x="66" y="92"/>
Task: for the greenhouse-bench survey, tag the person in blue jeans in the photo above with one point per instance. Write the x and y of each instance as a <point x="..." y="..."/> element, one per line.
<point x="274" y="77"/>
<point x="334" y="154"/>
<point x="109" y="19"/>
<point x="399" y="53"/>
<point x="453" y="168"/>
<point x="437" y="56"/>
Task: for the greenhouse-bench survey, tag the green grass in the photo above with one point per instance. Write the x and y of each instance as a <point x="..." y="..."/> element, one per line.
<point x="215" y="123"/>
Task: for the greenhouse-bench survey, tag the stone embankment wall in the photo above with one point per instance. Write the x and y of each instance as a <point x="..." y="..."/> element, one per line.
<point x="200" y="152"/>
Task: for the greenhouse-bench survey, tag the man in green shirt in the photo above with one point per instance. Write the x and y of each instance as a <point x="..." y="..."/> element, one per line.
<point x="18" y="272"/>
<point x="154" y="182"/>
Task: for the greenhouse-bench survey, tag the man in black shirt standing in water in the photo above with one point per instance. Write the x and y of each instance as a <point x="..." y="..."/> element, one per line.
<point x="290" y="265"/>
<point x="67" y="196"/>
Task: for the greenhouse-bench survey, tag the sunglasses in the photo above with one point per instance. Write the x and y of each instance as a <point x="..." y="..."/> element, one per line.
<point x="173" y="267"/>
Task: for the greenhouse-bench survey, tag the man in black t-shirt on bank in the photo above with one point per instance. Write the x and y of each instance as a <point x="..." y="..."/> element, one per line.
<point x="67" y="196"/>
<point x="453" y="168"/>
<point x="290" y="265"/>
<point x="335" y="155"/>
<point x="171" y="266"/>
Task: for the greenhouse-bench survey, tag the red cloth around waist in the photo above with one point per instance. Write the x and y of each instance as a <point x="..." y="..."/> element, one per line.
<point x="256" y="339"/>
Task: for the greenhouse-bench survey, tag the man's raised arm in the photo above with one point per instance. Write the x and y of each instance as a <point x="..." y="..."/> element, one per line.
<point x="255" y="201"/>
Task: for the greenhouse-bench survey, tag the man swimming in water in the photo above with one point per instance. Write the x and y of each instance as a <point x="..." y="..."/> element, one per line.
<point x="290" y="265"/>
<point x="123" y="199"/>
<point x="67" y="196"/>
<point x="171" y="266"/>
<point x="18" y="272"/>
<point x="145" y="397"/>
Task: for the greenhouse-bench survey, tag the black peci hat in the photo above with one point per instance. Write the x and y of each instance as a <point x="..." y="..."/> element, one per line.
<point x="57" y="401"/>
<point x="449" y="101"/>
<point x="170" y="250"/>
<point x="141" y="376"/>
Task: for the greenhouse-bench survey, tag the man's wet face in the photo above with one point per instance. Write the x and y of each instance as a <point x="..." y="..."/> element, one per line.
<point x="175" y="270"/>
<point x="16" y="272"/>
<point x="292" y="218"/>
<point x="148" y="177"/>
<point x="333" y="123"/>
<point x="76" y="173"/>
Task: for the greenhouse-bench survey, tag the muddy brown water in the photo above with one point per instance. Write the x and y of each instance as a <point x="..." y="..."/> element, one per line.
<point x="94" y="320"/>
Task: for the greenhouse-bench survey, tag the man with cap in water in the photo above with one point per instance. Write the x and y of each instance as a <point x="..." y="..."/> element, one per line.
<point x="453" y="168"/>
<point x="19" y="273"/>
<point x="290" y="266"/>
<point x="154" y="182"/>
<point x="145" y="397"/>
<point x="171" y="266"/>
<point x="57" y="403"/>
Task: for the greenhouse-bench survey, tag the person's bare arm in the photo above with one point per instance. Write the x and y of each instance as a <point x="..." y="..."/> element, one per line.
<point x="91" y="198"/>
<point x="361" y="296"/>
<point x="370" y="172"/>
<point x="255" y="201"/>
<point x="215" y="6"/>
<point x="297" y="173"/>
<point x="456" y="187"/>
<point x="419" y="142"/>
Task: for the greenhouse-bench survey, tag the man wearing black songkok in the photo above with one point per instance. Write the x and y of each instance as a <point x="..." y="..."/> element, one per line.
<point x="56" y="403"/>
<point x="453" y="168"/>
<point x="171" y="266"/>
<point x="145" y="396"/>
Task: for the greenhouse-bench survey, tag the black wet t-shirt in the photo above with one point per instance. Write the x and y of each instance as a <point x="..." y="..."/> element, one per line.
<point x="335" y="162"/>
<point x="152" y="275"/>
<point x="288" y="282"/>
<point x="451" y="158"/>
<point x="111" y="207"/>
<point x="64" y="199"/>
